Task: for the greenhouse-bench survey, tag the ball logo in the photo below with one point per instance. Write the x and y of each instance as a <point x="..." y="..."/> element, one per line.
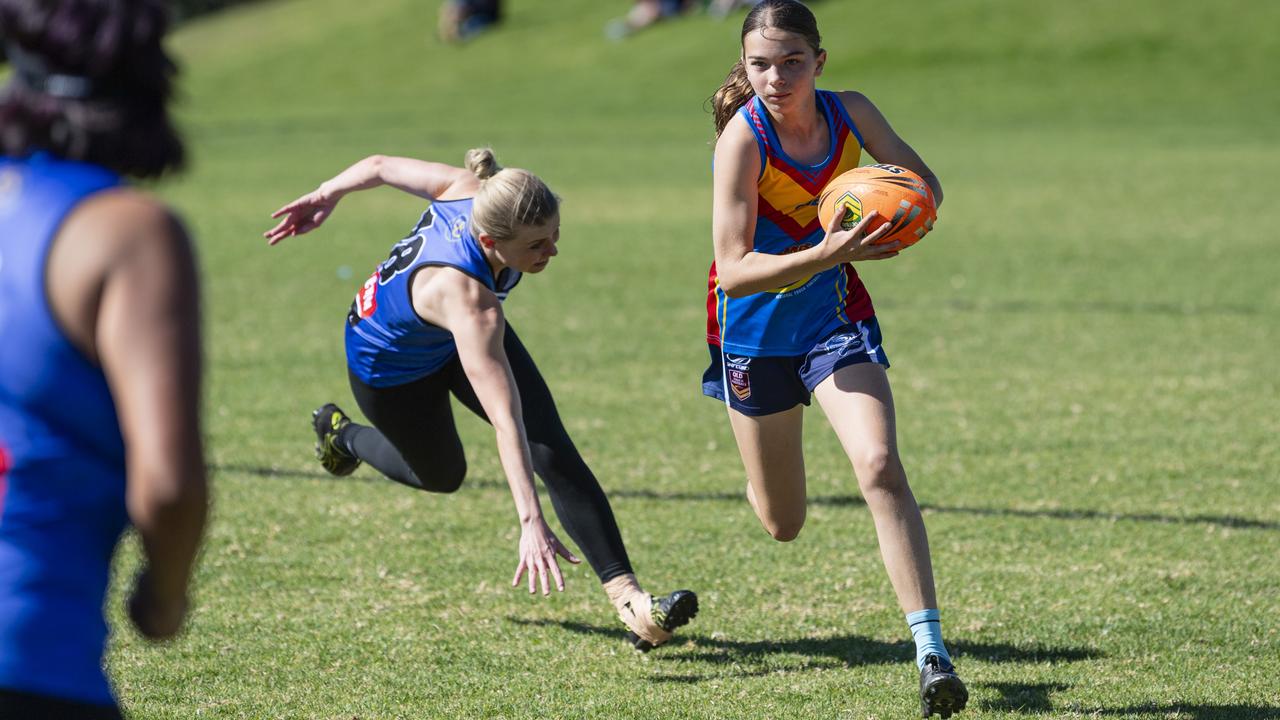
<point x="851" y="206"/>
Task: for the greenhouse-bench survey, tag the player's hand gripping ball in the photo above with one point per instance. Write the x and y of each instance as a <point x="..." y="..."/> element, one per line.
<point x="899" y="196"/>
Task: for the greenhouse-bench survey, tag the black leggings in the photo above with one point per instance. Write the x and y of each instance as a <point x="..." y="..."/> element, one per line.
<point x="414" y="442"/>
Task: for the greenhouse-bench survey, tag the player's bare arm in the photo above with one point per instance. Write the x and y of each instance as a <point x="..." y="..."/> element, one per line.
<point x="425" y="179"/>
<point x="473" y="314"/>
<point x="884" y="144"/>
<point x="133" y="307"/>
<point x="740" y="270"/>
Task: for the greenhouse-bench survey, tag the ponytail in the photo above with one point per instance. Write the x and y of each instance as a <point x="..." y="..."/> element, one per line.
<point x="733" y="94"/>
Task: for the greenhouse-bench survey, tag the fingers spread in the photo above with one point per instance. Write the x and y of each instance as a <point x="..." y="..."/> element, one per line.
<point x="542" y="572"/>
<point x="861" y="228"/>
<point x="555" y="573"/>
<point x="871" y="237"/>
<point x="837" y="221"/>
<point x="564" y="552"/>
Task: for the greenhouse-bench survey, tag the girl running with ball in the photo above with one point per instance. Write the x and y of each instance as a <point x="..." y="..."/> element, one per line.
<point x="788" y="317"/>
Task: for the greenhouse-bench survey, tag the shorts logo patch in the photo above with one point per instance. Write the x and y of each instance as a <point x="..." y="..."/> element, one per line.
<point x="740" y="381"/>
<point x="737" y="369"/>
<point x="845" y="342"/>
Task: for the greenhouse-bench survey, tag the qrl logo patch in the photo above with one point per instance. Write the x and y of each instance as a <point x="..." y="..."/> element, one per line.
<point x="738" y="371"/>
<point x="740" y="381"/>
<point x="851" y="206"/>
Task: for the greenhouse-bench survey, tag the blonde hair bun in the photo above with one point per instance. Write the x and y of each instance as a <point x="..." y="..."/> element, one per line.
<point x="482" y="163"/>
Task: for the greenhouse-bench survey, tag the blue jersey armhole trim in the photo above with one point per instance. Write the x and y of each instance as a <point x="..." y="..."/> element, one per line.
<point x="745" y="112"/>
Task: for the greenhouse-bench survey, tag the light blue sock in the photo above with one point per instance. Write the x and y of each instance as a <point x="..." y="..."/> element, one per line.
<point x="926" y="628"/>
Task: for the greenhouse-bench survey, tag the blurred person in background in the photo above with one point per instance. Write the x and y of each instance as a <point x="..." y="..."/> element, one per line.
<point x="645" y="13"/>
<point x="462" y="20"/>
<point x="428" y="324"/>
<point x="721" y="8"/>
<point x="100" y="366"/>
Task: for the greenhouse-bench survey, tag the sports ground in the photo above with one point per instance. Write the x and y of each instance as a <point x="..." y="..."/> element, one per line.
<point x="1085" y="364"/>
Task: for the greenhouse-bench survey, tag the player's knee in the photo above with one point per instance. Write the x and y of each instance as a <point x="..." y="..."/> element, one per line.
<point x="444" y="478"/>
<point x="879" y="470"/>
<point x="451" y="484"/>
<point x="786" y="533"/>
<point x="542" y="456"/>
<point x="783" y="529"/>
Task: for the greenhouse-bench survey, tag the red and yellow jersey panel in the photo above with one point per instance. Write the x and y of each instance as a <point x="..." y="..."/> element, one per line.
<point x="789" y="320"/>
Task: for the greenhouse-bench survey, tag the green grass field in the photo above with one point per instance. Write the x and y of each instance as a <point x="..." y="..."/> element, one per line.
<point x="1085" y="366"/>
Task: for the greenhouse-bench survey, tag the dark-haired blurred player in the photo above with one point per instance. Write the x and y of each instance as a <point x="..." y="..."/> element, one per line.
<point x="100" y="359"/>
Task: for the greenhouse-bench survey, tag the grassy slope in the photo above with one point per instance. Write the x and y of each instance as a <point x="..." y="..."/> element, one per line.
<point x="1084" y="369"/>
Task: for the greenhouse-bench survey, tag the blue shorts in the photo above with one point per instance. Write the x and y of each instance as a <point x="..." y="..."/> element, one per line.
<point x="767" y="385"/>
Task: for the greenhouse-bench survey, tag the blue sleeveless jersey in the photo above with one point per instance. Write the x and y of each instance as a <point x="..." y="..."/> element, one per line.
<point x="387" y="342"/>
<point x="790" y="320"/>
<point x="62" y="498"/>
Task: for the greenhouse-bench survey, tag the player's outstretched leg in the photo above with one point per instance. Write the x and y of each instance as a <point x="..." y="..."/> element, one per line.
<point x="328" y="420"/>
<point x="650" y="620"/>
<point x="941" y="689"/>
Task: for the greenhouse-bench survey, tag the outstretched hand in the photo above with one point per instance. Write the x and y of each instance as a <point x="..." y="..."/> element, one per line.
<point x="301" y="216"/>
<point x="859" y="243"/>
<point x="538" y="550"/>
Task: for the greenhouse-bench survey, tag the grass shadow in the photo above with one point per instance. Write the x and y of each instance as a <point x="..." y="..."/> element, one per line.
<point x="1180" y="711"/>
<point x="276" y="472"/>
<point x="1033" y="699"/>
<point x="835" y="651"/>
<point x="1224" y="521"/>
<point x="1029" y="698"/>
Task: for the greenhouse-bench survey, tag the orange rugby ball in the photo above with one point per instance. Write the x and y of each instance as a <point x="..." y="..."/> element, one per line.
<point x="900" y="196"/>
